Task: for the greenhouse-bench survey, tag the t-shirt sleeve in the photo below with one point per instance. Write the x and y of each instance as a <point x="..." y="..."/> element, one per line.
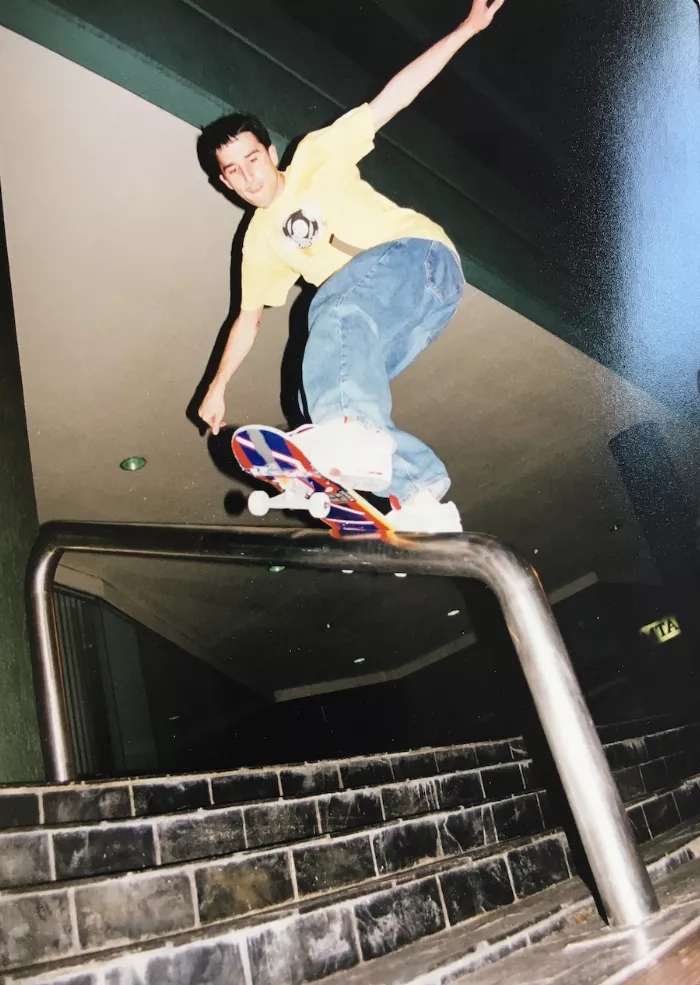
<point x="350" y="138"/>
<point x="265" y="278"/>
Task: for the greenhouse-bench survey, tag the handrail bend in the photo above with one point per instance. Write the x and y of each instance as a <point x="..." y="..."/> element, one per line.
<point x="620" y="875"/>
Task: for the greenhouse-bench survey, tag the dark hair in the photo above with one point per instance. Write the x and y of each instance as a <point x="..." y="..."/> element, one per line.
<point x="220" y="132"/>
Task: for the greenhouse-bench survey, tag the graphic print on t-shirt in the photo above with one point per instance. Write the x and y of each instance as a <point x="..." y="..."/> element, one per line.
<point x="302" y="227"/>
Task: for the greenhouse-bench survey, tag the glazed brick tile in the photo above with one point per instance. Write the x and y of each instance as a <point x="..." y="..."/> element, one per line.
<point x="333" y="865"/>
<point x="537" y="866"/>
<point x="661" y="814"/>
<point x="24" y="859"/>
<point x="78" y="979"/>
<point x="639" y="824"/>
<point x="235" y="888"/>
<point x="654" y="775"/>
<point x="275" y="824"/>
<point x="310" y="948"/>
<point x="204" y="836"/>
<point x="629" y="782"/>
<point x="678" y="768"/>
<point x="410" y="799"/>
<point x="48" y="916"/>
<point x="122" y="910"/>
<point x="164" y="798"/>
<point x="518" y="749"/>
<point x="414" y="766"/>
<point x="533" y="776"/>
<point x="688" y="801"/>
<point x="666" y="743"/>
<point x="459" y="790"/>
<point x="548" y="816"/>
<point x="19" y="810"/>
<point x="502" y="781"/>
<point x="86" y="804"/>
<point x="466" y="830"/>
<point x="345" y="811"/>
<point x="309" y="780"/>
<point x="201" y="964"/>
<point x="366" y="773"/>
<point x="398" y="917"/>
<point x="480" y="888"/>
<point x="455" y="760"/>
<point x="493" y="753"/>
<point x="242" y="788"/>
<point x="95" y="851"/>
<point x="405" y="845"/>
<point x="628" y="752"/>
<point x="517" y="817"/>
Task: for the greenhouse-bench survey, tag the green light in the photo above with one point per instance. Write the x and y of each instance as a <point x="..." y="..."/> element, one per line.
<point x="275" y="569"/>
<point x="132" y="464"/>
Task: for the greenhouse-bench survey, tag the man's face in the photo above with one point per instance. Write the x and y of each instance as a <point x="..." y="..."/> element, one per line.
<point x="250" y="170"/>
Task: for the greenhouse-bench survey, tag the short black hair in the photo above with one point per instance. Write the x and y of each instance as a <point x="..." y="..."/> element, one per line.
<point x="220" y="132"/>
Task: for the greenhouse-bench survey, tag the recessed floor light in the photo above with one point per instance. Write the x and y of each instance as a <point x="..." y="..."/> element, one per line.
<point x="454" y="612"/>
<point x="132" y="464"/>
<point x="275" y="569"/>
<point x="359" y="660"/>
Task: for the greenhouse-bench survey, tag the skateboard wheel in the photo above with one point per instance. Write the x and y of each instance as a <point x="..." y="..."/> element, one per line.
<point x="319" y="505"/>
<point x="259" y="502"/>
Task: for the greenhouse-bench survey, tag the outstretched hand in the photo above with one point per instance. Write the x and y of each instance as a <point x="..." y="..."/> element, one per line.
<point x="482" y="13"/>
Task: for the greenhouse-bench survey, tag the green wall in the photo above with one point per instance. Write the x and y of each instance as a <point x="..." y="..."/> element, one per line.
<point x="200" y="59"/>
<point x="20" y="754"/>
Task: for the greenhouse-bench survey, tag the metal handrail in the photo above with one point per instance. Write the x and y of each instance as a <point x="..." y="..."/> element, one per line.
<point x="621" y="877"/>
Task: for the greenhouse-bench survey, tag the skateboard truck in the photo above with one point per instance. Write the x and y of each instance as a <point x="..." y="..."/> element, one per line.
<point x="318" y="504"/>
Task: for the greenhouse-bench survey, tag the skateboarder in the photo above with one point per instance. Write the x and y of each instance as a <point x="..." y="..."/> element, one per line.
<point x="389" y="281"/>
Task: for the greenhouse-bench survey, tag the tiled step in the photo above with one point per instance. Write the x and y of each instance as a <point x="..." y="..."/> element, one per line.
<point x="148" y="796"/>
<point x="375" y="916"/>
<point x="61" y="852"/>
<point x="102" y="912"/>
<point x="402" y="935"/>
<point x="75" y="803"/>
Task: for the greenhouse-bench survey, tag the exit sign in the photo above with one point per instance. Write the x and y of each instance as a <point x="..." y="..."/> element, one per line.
<point x="662" y="630"/>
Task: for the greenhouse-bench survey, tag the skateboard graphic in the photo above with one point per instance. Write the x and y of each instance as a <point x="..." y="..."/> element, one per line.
<point x="267" y="453"/>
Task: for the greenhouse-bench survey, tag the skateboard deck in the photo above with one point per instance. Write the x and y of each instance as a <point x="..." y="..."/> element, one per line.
<point x="268" y="453"/>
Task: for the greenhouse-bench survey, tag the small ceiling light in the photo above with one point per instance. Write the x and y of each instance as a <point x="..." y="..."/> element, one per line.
<point x="359" y="660"/>
<point x="132" y="464"/>
<point x="347" y="571"/>
<point x="400" y="574"/>
<point x="275" y="569"/>
<point x="453" y="612"/>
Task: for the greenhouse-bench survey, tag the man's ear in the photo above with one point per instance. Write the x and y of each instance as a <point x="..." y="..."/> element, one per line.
<point x="274" y="156"/>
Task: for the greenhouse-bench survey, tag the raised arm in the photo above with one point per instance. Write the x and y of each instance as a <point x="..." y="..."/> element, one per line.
<point x="410" y="81"/>
<point x="243" y="334"/>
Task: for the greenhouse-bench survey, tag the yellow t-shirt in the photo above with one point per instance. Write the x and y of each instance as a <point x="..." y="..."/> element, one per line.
<point x="324" y="202"/>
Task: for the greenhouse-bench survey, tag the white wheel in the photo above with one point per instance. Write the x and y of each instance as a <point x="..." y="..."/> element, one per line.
<point x="259" y="502"/>
<point x="319" y="505"/>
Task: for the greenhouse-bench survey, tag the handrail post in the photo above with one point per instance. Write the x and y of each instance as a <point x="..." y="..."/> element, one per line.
<point x="621" y="877"/>
<point x="605" y="830"/>
<point x="48" y="666"/>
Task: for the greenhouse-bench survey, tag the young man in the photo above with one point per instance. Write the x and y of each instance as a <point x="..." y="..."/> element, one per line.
<point x="389" y="281"/>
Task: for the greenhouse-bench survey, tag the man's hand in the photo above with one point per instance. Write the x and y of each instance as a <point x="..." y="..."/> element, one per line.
<point x="213" y="408"/>
<point x="482" y="13"/>
<point x="410" y="81"/>
<point x="243" y="334"/>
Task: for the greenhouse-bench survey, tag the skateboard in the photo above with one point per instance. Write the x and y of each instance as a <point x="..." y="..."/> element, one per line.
<point x="268" y="453"/>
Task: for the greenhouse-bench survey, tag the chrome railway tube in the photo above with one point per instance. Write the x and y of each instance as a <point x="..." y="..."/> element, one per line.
<point x="622" y="879"/>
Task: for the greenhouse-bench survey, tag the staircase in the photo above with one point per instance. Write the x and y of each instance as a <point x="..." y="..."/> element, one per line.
<point x="423" y="866"/>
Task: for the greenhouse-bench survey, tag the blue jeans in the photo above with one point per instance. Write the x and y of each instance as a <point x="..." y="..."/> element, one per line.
<point x="367" y="323"/>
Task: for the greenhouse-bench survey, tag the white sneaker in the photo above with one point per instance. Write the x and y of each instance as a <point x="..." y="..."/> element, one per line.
<point x="424" y="514"/>
<point x="357" y="455"/>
